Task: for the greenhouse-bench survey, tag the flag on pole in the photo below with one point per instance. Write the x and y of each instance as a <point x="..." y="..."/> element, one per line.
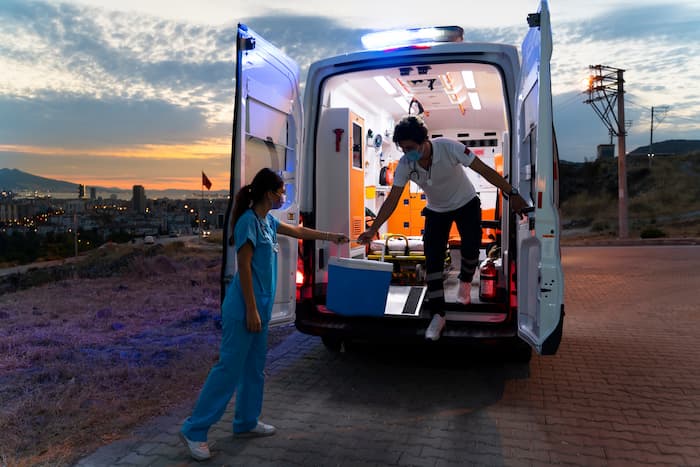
<point x="205" y="181"/>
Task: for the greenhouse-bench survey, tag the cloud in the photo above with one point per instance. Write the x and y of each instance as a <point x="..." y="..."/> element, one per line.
<point x="116" y="53"/>
<point x="676" y="23"/>
<point x="119" y="171"/>
<point x="78" y="76"/>
<point x="76" y="121"/>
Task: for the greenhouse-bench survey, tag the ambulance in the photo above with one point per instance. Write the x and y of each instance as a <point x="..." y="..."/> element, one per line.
<point x="333" y="148"/>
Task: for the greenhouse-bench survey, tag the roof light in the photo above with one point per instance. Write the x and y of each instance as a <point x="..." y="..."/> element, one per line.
<point x="474" y="99"/>
<point x="415" y="36"/>
<point x="402" y="103"/>
<point x="386" y="86"/>
<point x="468" y="77"/>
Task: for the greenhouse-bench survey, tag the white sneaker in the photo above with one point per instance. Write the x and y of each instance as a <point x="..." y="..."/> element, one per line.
<point x="435" y="327"/>
<point x="464" y="293"/>
<point x="261" y="429"/>
<point x="199" y="450"/>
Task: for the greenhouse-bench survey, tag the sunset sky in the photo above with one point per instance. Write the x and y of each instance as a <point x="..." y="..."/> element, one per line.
<point x="116" y="93"/>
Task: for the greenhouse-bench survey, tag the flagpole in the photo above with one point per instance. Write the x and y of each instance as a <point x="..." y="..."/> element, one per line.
<point x="201" y="203"/>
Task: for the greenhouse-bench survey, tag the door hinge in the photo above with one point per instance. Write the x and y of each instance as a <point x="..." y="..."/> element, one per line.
<point x="533" y="20"/>
<point x="246" y="43"/>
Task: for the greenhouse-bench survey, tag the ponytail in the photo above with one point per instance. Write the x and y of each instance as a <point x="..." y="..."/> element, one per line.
<point x="243" y="201"/>
<point x="265" y="180"/>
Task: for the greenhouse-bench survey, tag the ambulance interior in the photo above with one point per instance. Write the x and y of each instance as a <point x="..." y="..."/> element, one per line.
<point x="464" y="101"/>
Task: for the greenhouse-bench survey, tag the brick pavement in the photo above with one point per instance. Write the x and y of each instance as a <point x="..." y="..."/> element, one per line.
<point x="623" y="390"/>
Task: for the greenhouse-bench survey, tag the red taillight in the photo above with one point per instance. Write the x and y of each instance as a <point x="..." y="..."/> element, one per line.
<point x="513" y="286"/>
<point x="300" y="278"/>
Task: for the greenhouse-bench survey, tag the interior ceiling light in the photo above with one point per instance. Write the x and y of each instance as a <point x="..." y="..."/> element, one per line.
<point x="448" y="83"/>
<point x="402" y="103"/>
<point x="468" y="77"/>
<point x="457" y="97"/>
<point x="474" y="99"/>
<point x="386" y="85"/>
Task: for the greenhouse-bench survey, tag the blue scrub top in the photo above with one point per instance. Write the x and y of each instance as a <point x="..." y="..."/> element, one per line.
<point x="262" y="234"/>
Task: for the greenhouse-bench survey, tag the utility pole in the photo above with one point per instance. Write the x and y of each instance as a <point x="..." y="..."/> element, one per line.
<point x="75" y="232"/>
<point x="605" y="88"/>
<point x="663" y="110"/>
<point x="650" y="155"/>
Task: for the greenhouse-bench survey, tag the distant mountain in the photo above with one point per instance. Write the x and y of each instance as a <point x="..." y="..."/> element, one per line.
<point x="22" y="182"/>
<point x="18" y="181"/>
<point x="671" y="146"/>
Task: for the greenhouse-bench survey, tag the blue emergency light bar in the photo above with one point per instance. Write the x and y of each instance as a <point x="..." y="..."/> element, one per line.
<point x="407" y="37"/>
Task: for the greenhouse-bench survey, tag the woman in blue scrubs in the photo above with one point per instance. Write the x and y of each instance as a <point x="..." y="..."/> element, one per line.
<point x="246" y="312"/>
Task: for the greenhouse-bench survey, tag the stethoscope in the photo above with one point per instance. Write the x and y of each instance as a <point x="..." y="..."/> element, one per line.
<point x="414" y="171"/>
<point x="265" y="227"/>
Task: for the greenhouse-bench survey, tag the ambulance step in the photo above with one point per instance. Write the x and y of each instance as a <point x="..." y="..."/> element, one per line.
<point x="405" y="300"/>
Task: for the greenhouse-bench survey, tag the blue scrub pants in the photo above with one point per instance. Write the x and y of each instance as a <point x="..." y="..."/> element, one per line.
<point x="239" y="370"/>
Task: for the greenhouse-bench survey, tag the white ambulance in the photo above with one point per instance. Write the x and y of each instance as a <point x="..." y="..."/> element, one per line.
<point x="335" y="153"/>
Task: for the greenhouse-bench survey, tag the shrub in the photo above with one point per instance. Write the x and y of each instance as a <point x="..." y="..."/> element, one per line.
<point x="652" y="232"/>
<point x="600" y="226"/>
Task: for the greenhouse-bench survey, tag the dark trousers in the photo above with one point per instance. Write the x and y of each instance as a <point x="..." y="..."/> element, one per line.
<point x="435" y="237"/>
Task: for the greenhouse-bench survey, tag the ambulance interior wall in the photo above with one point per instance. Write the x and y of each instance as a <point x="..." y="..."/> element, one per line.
<point x="382" y="121"/>
<point x="379" y="121"/>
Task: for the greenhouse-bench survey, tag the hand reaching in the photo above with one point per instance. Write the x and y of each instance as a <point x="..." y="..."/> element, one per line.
<point x="366" y="237"/>
<point x="338" y="238"/>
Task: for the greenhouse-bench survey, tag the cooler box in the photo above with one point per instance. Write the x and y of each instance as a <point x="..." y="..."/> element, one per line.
<point x="358" y="287"/>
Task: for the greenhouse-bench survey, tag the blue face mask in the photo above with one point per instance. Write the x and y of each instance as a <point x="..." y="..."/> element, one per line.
<point x="413" y="155"/>
<point x="279" y="202"/>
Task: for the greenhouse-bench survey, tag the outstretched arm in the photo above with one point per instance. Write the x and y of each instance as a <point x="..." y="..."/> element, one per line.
<point x="517" y="202"/>
<point x="306" y="233"/>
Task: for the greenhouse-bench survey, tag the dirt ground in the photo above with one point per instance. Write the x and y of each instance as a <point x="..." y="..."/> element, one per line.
<point x="130" y="335"/>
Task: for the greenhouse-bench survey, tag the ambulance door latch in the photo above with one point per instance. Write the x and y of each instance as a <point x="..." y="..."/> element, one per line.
<point x="338" y="133"/>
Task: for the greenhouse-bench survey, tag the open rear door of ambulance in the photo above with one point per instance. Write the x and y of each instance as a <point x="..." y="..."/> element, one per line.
<point x="267" y="129"/>
<point x="540" y="282"/>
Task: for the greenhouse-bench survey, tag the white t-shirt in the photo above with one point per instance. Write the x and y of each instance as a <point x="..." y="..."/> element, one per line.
<point x="445" y="183"/>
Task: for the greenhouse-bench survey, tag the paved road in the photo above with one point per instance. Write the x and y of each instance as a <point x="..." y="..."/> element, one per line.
<point x="623" y="390"/>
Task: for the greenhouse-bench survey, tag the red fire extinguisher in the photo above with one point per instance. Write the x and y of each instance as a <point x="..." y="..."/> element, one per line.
<point x="488" y="279"/>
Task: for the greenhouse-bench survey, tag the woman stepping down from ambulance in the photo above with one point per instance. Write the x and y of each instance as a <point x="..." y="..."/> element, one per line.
<point x="434" y="165"/>
<point x="245" y="314"/>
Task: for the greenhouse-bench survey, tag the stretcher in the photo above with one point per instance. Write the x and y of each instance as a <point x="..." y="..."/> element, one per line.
<point x="407" y="255"/>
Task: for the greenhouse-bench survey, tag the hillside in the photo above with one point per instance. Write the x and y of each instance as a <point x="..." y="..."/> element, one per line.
<point x="18" y="181"/>
<point x="670" y="147"/>
<point x="663" y="195"/>
<point x="21" y="182"/>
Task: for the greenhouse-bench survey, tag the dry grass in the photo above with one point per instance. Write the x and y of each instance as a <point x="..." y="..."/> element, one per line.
<point x="663" y="196"/>
<point x="84" y="361"/>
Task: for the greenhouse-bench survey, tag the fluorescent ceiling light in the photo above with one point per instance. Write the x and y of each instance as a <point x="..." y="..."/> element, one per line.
<point x="402" y="103"/>
<point x="468" y="77"/>
<point x="386" y="85"/>
<point x="474" y="99"/>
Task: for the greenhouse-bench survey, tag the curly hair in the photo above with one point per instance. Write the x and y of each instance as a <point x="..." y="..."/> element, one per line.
<point x="410" y="128"/>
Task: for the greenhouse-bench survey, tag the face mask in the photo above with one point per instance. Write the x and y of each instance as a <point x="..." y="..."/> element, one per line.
<point x="413" y="155"/>
<point x="279" y="202"/>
